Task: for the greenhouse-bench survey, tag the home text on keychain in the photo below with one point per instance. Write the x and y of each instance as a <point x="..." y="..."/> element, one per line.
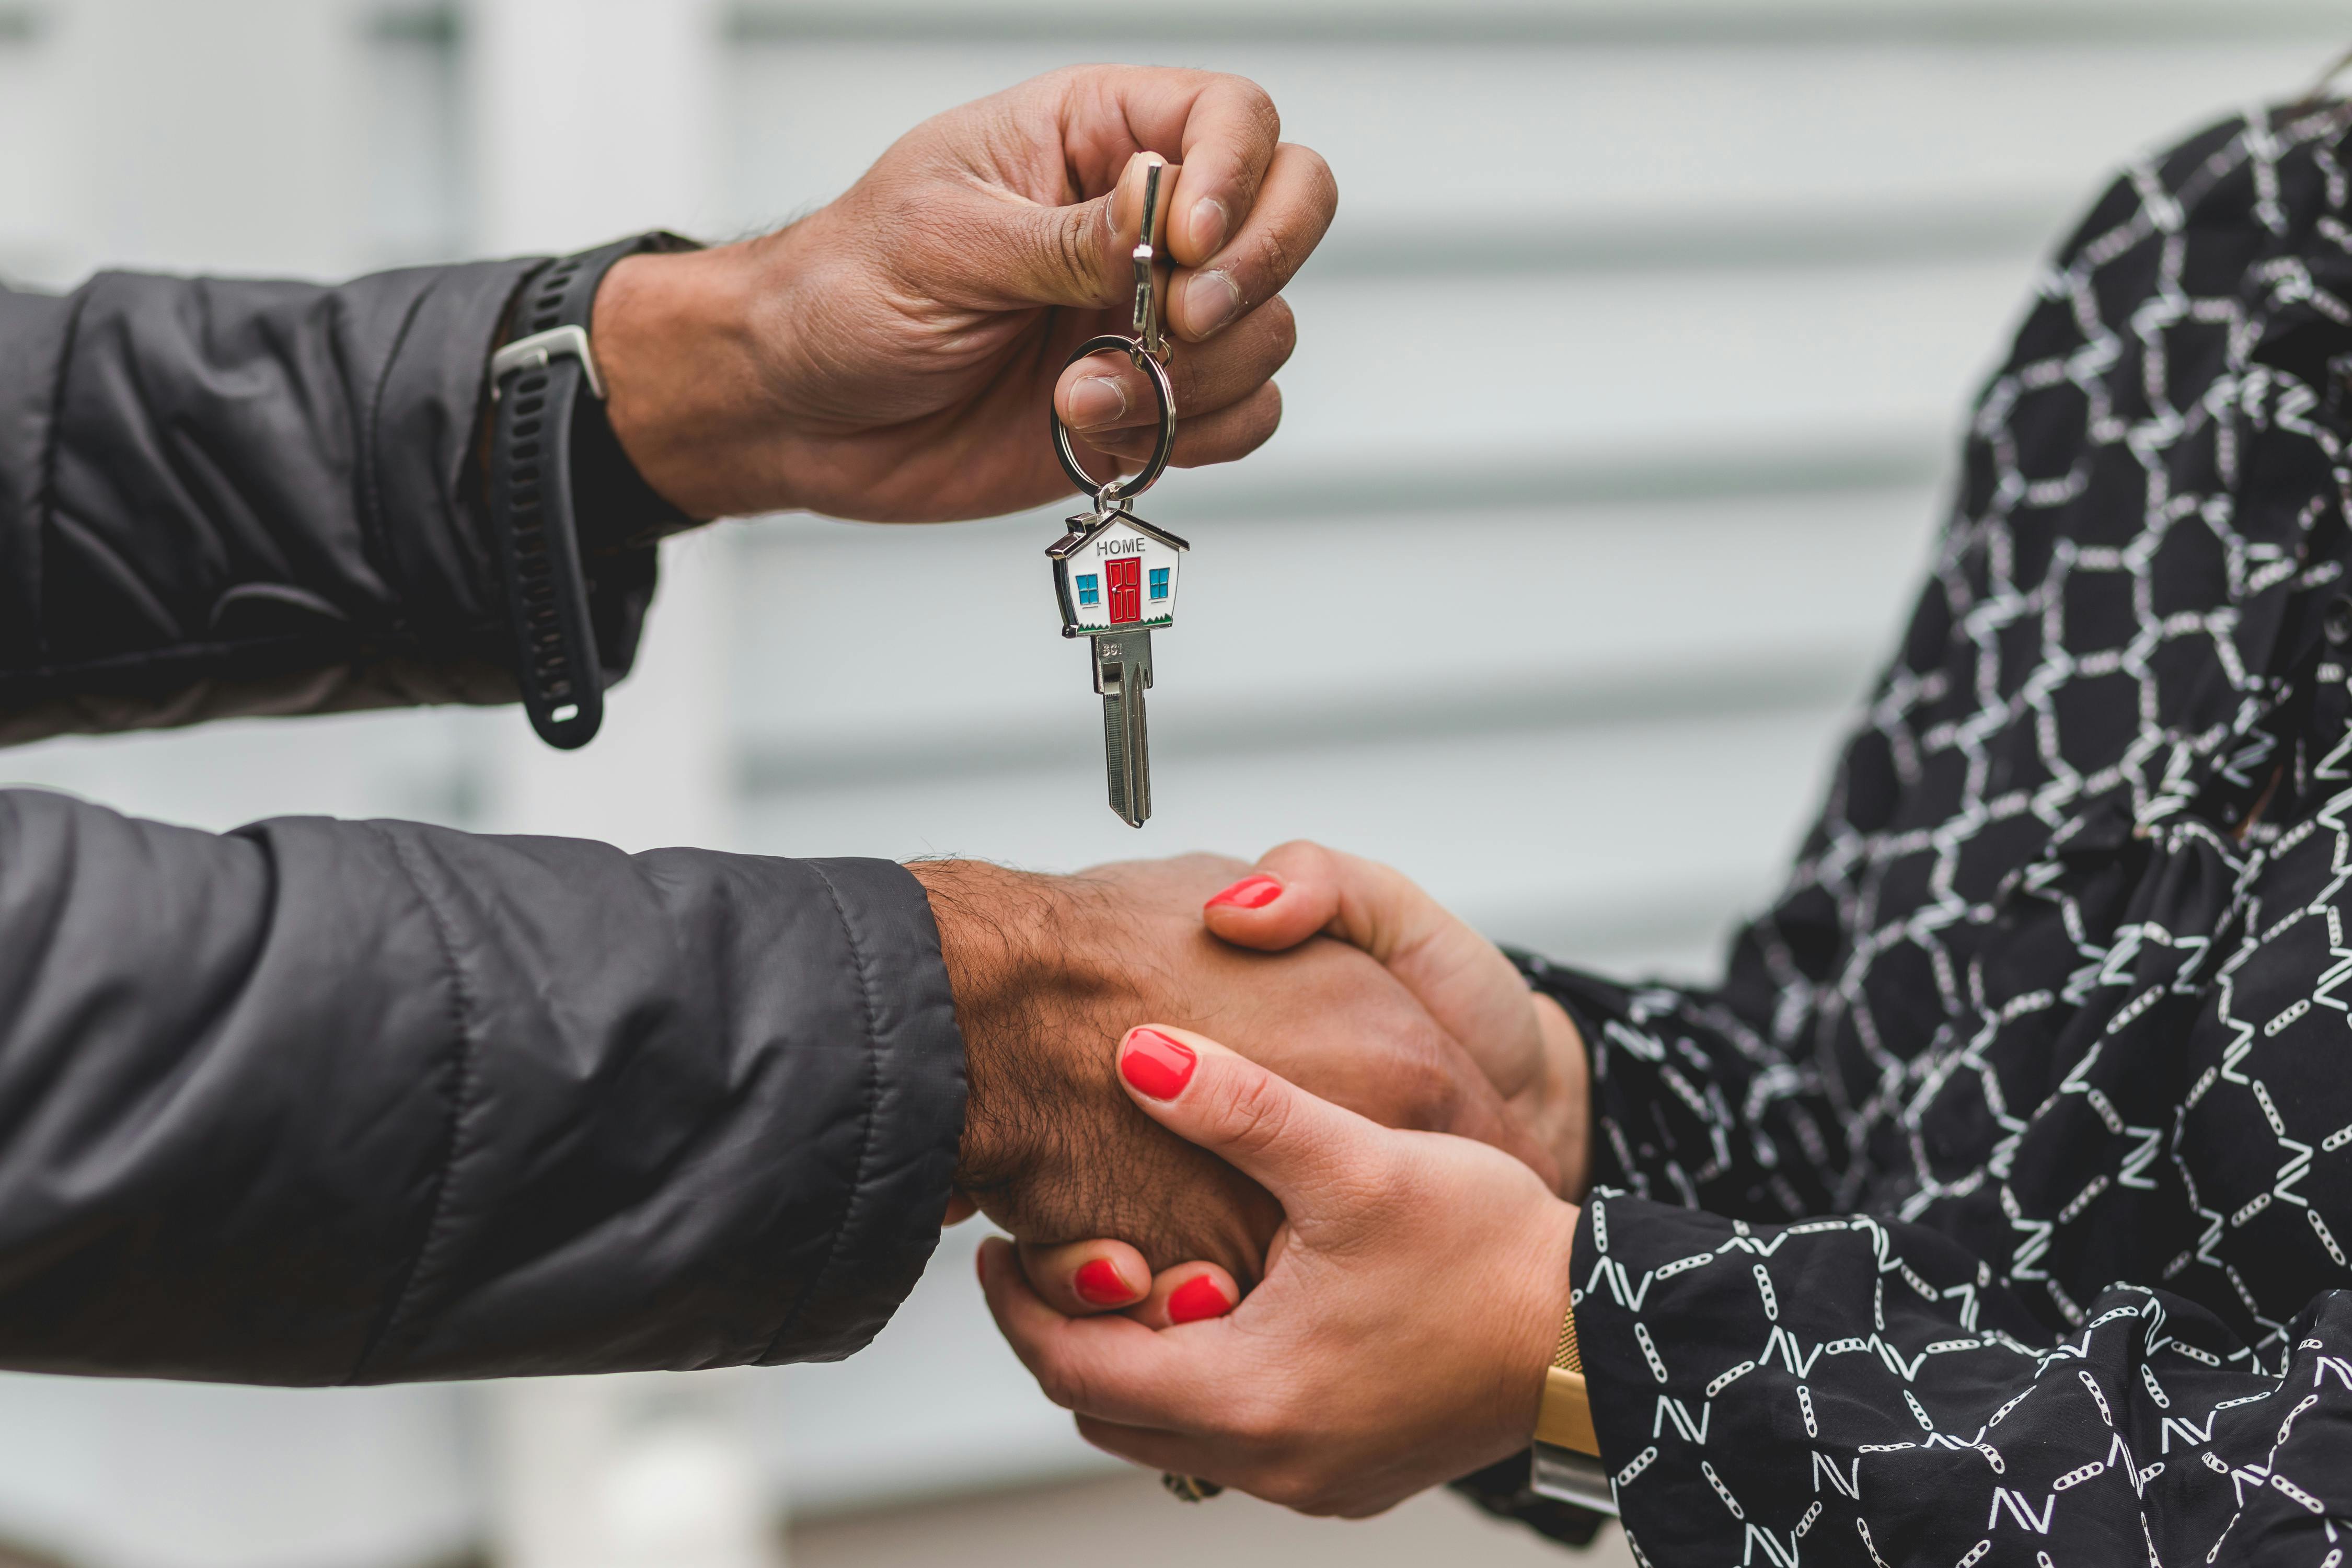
<point x="1114" y="573"/>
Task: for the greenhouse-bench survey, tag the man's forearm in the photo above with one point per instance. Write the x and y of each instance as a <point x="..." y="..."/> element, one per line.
<point x="324" y="1103"/>
<point x="1032" y="1004"/>
<point x="677" y="339"/>
<point x="221" y="497"/>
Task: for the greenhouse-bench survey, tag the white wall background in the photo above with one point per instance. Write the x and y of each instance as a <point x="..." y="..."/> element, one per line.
<point x="1622" y="402"/>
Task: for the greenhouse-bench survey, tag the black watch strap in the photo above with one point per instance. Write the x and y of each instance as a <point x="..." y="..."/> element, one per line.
<point x="538" y="423"/>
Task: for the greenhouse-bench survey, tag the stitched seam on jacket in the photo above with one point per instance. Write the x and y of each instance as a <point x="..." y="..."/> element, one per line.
<point x="865" y="1134"/>
<point x="371" y="498"/>
<point x="461" y="1071"/>
<point x="46" y="506"/>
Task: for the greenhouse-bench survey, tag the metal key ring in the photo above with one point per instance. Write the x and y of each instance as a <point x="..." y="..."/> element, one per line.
<point x="1144" y="478"/>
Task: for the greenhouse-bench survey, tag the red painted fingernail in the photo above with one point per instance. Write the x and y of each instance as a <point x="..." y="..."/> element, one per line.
<point x="1098" y="1284"/>
<point x="1195" y="1299"/>
<point x="1156" y="1065"/>
<point x="1251" y="892"/>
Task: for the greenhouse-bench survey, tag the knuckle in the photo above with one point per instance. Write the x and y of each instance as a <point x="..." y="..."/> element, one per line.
<point x="1301" y="1490"/>
<point x="1063" y="1381"/>
<point x="1282" y="329"/>
<point x="1258" y="104"/>
<point x="1063" y="1385"/>
<point x="1265" y="418"/>
<point x="1276" y="260"/>
<point x="1300" y="856"/>
<point x="1195" y="380"/>
<point x="1321" y="182"/>
<point x="1258" y="1422"/>
<point x="1072" y="253"/>
<point x="1255" y="106"/>
<point x="1257" y="1113"/>
<point x="1427" y="1087"/>
<point x="1281" y="1489"/>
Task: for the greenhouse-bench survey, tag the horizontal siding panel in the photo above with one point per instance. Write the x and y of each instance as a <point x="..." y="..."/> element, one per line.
<point x="418" y="764"/>
<point x="1448" y="132"/>
<point x="1504" y="828"/>
<point x="1950" y="23"/>
<point x="1667" y="366"/>
<point x="868" y="650"/>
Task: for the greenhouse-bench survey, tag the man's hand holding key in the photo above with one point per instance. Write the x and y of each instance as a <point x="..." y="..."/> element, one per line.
<point x="890" y="357"/>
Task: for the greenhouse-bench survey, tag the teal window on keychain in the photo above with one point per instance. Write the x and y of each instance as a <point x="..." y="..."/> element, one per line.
<point x="1089" y="589"/>
<point x="1160" y="582"/>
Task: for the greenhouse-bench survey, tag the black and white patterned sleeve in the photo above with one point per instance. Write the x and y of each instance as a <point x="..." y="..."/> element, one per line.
<point x="1701" y="1101"/>
<point x="1849" y="1390"/>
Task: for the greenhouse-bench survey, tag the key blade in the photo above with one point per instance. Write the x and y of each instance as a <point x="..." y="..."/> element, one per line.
<point x="1129" y="785"/>
<point x="1122" y="674"/>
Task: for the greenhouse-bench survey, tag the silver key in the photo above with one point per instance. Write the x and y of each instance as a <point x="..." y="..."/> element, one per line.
<point x="1116" y="576"/>
<point x="1114" y="573"/>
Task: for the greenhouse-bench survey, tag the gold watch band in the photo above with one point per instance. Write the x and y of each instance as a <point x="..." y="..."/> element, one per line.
<point x="1564" y="1418"/>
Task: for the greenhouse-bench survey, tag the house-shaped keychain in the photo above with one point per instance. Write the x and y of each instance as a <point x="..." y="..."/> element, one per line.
<point x="1116" y="577"/>
<point x="1115" y="572"/>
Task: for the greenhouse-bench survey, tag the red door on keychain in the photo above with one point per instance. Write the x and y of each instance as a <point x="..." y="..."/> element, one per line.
<point x="1125" y="590"/>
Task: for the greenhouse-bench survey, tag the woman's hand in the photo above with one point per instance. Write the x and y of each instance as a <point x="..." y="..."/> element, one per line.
<point x="1400" y="1339"/>
<point x="890" y="356"/>
<point x="1049" y="972"/>
<point x="1522" y="1039"/>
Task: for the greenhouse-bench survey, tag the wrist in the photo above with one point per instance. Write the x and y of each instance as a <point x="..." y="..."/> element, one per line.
<point x="1012" y="944"/>
<point x="1535" y="1337"/>
<point x="676" y="339"/>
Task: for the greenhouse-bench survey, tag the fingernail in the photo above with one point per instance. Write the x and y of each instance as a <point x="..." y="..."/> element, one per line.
<point x="1098" y="1284"/>
<point x="1210" y="299"/>
<point x="1097" y="401"/>
<point x="1195" y="1299"/>
<point x="1251" y="892"/>
<point x="1156" y="1065"/>
<point x="1208" y="225"/>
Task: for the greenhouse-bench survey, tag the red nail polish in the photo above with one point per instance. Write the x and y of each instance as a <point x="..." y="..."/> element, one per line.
<point x="1195" y="1299"/>
<point x="1251" y="892"/>
<point x="1156" y="1065"/>
<point x="1098" y="1284"/>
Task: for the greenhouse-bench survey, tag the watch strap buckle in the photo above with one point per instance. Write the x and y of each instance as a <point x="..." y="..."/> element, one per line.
<point x="541" y="349"/>
<point x="1563" y="1474"/>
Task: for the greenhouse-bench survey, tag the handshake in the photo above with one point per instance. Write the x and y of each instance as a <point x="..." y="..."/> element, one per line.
<point x="1286" y="1151"/>
<point x="1254" y="1132"/>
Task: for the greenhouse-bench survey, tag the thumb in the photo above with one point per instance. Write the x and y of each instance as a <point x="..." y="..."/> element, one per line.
<point x="1301" y="888"/>
<point x="1474" y="992"/>
<point x="1299" y="1148"/>
<point x="1083" y="254"/>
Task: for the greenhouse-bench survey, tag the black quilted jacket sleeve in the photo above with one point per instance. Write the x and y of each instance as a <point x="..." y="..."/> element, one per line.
<point x="236" y="497"/>
<point x="321" y="1103"/>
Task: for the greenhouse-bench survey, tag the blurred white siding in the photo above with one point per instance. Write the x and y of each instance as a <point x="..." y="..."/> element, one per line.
<point x="1624" y="394"/>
